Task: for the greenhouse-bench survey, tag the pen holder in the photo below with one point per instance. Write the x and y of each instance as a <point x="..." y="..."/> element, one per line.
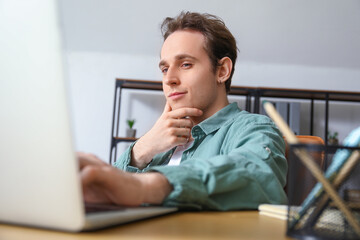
<point x="311" y="212"/>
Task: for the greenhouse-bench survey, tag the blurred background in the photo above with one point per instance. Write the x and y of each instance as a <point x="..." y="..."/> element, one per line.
<point x="309" y="44"/>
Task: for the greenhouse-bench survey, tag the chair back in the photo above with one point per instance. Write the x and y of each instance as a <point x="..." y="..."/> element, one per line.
<point x="304" y="179"/>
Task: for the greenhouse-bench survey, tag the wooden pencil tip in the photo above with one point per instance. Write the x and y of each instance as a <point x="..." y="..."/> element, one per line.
<point x="264" y="102"/>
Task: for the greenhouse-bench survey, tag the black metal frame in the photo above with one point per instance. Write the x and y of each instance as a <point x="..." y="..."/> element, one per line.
<point x="251" y="93"/>
<point x="311" y="95"/>
<point x="119" y="85"/>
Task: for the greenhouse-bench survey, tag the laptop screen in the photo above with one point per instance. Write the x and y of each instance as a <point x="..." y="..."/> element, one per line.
<point x="38" y="168"/>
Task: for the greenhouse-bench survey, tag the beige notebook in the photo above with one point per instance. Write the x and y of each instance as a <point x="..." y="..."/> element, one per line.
<point x="273" y="210"/>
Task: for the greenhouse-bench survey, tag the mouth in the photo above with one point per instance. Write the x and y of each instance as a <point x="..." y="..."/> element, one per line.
<point x="175" y="95"/>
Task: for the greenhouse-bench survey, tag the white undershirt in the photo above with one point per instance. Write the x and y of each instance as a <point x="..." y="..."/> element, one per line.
<point x="176" y="157"/>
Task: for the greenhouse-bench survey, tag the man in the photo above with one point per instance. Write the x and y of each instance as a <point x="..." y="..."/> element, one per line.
<point x="202" y="153"/>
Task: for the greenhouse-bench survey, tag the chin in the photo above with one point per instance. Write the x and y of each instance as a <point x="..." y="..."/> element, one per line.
<point x="175" y="106"/>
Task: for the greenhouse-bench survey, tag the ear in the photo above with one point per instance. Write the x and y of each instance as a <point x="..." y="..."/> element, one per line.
<point x="224" y="69"/>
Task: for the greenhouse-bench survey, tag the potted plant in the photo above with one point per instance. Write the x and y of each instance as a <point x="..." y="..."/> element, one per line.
<point x="130" y="132"/>
<point x="333" y="138"/>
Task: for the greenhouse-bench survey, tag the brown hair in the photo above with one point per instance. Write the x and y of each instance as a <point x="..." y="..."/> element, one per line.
<point x="219" y="42"/>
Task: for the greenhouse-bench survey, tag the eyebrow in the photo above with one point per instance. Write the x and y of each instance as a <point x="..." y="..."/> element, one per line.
<point x="177" y="57"/>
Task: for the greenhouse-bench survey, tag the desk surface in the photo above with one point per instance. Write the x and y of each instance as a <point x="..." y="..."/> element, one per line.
<point x="182" y="225"/>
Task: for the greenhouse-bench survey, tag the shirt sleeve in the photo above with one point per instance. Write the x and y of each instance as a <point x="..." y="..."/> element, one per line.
<point x="123" y="162"/>
<point x="253" y="172"/>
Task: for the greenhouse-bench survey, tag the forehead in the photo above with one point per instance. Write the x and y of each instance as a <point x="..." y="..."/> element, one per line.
<point x="184" y="42"/>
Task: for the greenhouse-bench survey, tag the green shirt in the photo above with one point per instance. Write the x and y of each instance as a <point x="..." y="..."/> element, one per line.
<point x="235" y="162"/>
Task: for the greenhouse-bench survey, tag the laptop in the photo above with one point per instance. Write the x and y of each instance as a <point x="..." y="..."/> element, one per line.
<point x="39" y="179"/>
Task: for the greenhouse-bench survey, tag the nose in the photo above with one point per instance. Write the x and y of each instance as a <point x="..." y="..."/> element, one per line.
<point x="171" y="77"/>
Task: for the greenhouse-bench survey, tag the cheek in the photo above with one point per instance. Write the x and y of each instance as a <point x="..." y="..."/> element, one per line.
<point x="206" y="85"/>
<point x="165" y="90"/>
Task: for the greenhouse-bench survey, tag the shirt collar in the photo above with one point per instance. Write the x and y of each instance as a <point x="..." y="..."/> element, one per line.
<point x="217" y="120"/>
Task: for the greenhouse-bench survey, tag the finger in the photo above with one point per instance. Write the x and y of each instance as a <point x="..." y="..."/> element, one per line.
<point x="182" y="140"/>
<point x="83" y="160"/>
<point x="107" y="184"/>
<point x="181" y="123"/>
<point x="186" y="112"/>
<point x="88" y="175"/>
<point x="82" y="163"/>
<point x="89" y="159"/>
<point x="94" y="174"/>
<point x="182" y="132"/>
<point x="167" y="107"/>
<point x="93" y="185"/>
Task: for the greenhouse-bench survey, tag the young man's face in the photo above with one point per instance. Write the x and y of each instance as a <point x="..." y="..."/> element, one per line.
<point x="188" y="76"/>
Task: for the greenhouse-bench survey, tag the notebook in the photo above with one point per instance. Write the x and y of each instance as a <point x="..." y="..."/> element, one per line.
<point x="39" y="179"/>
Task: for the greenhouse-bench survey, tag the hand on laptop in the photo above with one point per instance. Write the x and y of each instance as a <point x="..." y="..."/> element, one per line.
<point x="103" y="183"/>
<point x="172" y="129"/>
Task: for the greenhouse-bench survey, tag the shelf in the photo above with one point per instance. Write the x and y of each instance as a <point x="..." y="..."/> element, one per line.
<point x="309" y="94"/>
<point x="124" y="139"/>
<point x="251" y="93"/>
<point x="139" y="84"/>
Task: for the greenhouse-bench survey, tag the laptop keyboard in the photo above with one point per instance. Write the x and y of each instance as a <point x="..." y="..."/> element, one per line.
<point x="94" y="207"/>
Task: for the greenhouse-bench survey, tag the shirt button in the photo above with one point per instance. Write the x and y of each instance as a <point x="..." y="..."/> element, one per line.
<point x="268" y="149"/>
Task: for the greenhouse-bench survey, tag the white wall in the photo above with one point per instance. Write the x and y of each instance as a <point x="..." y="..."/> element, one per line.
<point x="291" y="44"/>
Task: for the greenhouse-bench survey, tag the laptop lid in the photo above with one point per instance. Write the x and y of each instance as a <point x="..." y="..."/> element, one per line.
<point x="39" y="180"/>
<point x="39" y="183"/>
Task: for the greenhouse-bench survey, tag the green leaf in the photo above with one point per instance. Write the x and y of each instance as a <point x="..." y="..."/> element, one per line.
<point x="131" y="123"/>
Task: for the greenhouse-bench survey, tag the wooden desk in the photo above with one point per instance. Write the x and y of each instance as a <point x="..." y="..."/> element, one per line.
<point x="182" y="225"/>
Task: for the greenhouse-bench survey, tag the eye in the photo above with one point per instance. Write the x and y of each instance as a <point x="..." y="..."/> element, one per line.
<point x="164" y="70"/>
<point x="186" y="65"/>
